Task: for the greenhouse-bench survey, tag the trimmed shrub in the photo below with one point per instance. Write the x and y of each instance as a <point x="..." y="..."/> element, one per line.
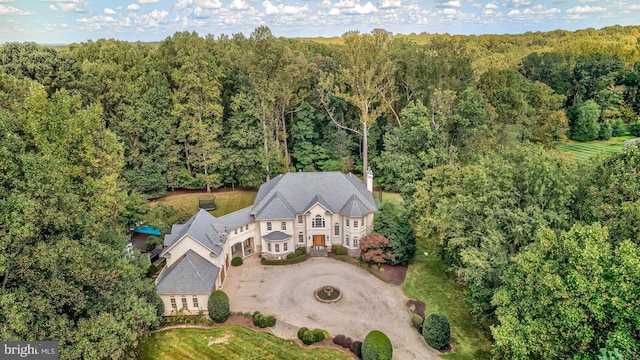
<point x="356" y="348"/>
<point x="159" y="305"/>
<point x="301" y="332"/>
<point x="341" y="250"/>
<point x="318" y="335"/>
<point x="218" y="306"/>
<point x="416" y="321"/>
<point x="339" y="339"/>
<point x="347" y="343"/>
<point x="308" y="337"/>
<point x="262" y="321"/>
<point x="301" y="251"/>
<point x="292" y="256"/>
<point x="236" y="261"/>
<point x="436" y="331"/>
<point x="376" y="346"/>
<point x="247" y="314"/>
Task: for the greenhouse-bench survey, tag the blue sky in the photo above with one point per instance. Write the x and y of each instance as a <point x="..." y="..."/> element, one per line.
<point x="66" y="21"/>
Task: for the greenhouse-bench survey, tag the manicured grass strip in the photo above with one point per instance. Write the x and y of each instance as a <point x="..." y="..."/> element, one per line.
<point x="228" y="342"/>
<point x="428" y="280"/>
<point x="585" y="150"/>
<point x="226" y="202"/>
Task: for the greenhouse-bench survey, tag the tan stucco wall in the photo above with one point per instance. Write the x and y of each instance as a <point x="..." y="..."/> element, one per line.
<point x="191" y="310"/>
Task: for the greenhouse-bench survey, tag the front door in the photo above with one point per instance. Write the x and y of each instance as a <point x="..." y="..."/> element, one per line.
<point x="318" y="241"/>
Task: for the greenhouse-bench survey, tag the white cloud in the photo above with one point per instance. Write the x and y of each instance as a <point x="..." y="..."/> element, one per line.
<point x="514" y="12"/>
<point x="540" y="10"/>
<point x="148" y="1"/>
<point x="182" y="4"/>
<point x="334" y="12"/>
<point x="282" y="9"/>
<point x="358" y="9"/>
<point x="586" y="10"/>
<point x="491" y="5"/>
<point x="70" y="5"/>
<point x="325" y="4"/>
<point x="134" y="7"/>
<point x="239" y="5"/>
<point x="390" y="4"/>
<point x="53" y="7"/>
<point x="345" y="4"/>
<point x="520" y="3"/>
<point x="450" y="4"/>
<point x="10" y="10"/>
<point x="109" y="11"/>
<point x="632" y="7"/>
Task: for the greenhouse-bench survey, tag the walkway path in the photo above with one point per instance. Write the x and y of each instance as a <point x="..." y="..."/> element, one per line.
<point x="367" y="303"/>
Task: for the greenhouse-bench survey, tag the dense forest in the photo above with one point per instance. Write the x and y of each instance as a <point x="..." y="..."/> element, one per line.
<point x="465" y="127"/>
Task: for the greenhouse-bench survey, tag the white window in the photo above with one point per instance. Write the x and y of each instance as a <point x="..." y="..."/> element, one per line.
<point x="173" y="303"/>
<point x="246" y="227"/>
<point x="236" y="231"/>
<point x="277" y="248"/>
<point x="184" y="302"/>
<point x="195" y="301"/>
<point x="269" y="247"/>
<point x="355" y="241"/>
<point x="347" y="223"/>
<point x="268" y="225"/>
<point x="318" y="222"/>
<point x="300" y="237"/>
<point x="336" y="229"/>
<point x="299" y="219"/>
<point x="283" y="225"/>
<point x="286" y="246"/>
<point x="355" y="224"/>
<point x="346" y="240"/>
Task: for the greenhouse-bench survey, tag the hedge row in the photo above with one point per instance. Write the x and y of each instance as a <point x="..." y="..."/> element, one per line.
<point x="341" y="250"/>
<point x="184" y="319"/>
<point x="296" y="260"/>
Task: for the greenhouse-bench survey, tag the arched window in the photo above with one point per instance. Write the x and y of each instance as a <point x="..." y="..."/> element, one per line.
<point x="355" y="241"/>
<point x="318" y="221"/>
<point x="336" y="229"/>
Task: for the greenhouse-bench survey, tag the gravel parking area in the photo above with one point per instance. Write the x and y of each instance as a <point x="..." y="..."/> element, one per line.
<point x="367" y="302"/>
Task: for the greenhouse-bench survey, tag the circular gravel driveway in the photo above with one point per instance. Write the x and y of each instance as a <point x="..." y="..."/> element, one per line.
<point x="367" y="302"/>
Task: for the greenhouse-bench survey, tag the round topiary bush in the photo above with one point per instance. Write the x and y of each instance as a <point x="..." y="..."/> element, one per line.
<point x="376" y="346"/>
<point x="339" y="339"/>
<point x="347" y="343"/>
<point x="308" y="337"/>
<point x="236" y="261"/>
<point x="318" y="335"/>
<point x="436" y="331"/>
<point x="218" y="306"/>
<point x="292" y="256"/>
<point x="301" y="332"/>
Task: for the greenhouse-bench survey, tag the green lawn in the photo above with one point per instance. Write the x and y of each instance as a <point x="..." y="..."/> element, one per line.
<point x="227" y="342"/>
<point x="226" y="202"/>
<point x="428" y="280"/>
<point x="584" y="150"/>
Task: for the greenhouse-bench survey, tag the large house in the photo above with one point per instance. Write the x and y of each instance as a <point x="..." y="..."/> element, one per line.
<point x="311" y="210"/>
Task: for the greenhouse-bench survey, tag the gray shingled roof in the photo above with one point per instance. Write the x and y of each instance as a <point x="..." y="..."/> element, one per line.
<point x="276" y="236"/>
<point x="191" y="274"/>
<point x="354" y="208"/>
<point x="238" y="218"/>
<point x="297" y="189"/>
<point x="202" y="227"/>
<point x="318" y="200"/>
<point x="277" y="207"/>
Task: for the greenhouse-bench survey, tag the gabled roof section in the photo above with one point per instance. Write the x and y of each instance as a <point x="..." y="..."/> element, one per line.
<point x="277" y="207"/>
<point x="276" y="236"/>
<point x="191" y="274"/>
<point x="300" y="188"/>
<point x="203" y="228"/>
<point x="237" y="218"/>
<point x="354" y="208"/>
<point x="318" y="200"/>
